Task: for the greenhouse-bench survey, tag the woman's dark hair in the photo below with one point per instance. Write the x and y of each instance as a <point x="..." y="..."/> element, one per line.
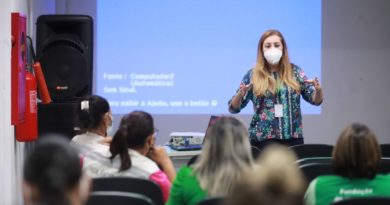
<point x="54" y="168"/>
<point x="133" y="131"/>
<point x="357" y="153"/>
<point x="90" y="111"/>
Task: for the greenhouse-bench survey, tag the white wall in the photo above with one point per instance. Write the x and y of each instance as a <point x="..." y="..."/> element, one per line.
<point x="11" y="156"/>
<point x="7" y="156"/>
<point x="12" y="152"/>
<point x="355" y="67"/>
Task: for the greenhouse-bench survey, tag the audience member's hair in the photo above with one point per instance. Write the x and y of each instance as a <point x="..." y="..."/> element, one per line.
<point x="277" y="180"/>
<point x="51" y="171"/>
<point x="133" y="131"/>
<point x="357" y="153"/>
<point x="90" y="111"/>
<point x="225" y="156"/>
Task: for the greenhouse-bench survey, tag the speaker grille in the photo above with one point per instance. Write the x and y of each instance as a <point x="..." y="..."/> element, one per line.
<point x="66" y="43"/>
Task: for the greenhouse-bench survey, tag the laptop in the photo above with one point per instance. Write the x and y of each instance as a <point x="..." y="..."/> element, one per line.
<point x="191" y="141"/>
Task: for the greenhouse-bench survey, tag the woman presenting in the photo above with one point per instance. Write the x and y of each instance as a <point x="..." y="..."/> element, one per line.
<point x="275" y="86"/>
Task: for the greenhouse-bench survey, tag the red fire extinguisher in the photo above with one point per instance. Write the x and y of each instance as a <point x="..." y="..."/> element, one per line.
<point x="28" y="130"/>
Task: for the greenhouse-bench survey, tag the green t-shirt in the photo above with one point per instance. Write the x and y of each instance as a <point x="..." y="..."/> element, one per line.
<point x="186" y="189"/>
<point x="326" y="189"/>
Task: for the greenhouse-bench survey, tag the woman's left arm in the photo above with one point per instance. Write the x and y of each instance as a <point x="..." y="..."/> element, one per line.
<point x="317" y="95"/>
<point x="310" y="89"/>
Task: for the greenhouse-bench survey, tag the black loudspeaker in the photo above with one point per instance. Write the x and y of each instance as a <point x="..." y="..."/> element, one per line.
<point x="57" y="118"/>
<point x="65" y="49"/>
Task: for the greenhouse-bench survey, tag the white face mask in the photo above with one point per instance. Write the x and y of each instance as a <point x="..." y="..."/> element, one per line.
<point x="273" y="56"/>
<point x="109" y="128"/>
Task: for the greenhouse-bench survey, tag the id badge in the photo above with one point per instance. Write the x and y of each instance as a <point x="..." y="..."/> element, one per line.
<point x="278" y="110"/>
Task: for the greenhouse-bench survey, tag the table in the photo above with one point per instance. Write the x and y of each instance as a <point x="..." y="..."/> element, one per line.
<point x="180" y="158"/>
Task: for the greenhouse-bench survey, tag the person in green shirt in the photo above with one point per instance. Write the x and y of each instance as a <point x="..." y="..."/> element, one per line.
<point x="226" y="155"/>
<point x="356" y="160"/>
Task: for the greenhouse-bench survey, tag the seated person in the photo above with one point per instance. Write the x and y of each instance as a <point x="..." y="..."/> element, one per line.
<point x="95" y="121"/>
<point x="276" y="181"/>
<point x="356" y="160"/>
<point x="225" y="156"/>
<point x="52" y="174"/>
<point x="133" y="154"/>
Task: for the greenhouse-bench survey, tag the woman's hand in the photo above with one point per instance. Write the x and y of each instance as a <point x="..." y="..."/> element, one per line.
<point x="315" y="83"/>
<point x="318" y="96"/>
<point x="244" y="89"/>
<point x="159" y="155"/>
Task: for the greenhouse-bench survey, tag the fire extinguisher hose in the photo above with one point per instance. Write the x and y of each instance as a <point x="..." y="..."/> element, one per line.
<point x="41" y="82"/>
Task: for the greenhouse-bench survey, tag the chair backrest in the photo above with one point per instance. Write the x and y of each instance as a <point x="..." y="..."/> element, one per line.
<point x="128" y="184"/>
<point x="313" y="170"/>
<point x="255" y="152"/>
<point x="312" y="150"/>
<point x="192" y="160"/>
<point x="118" y="198"/>
<point x="364" y="201"/>
<point x="385" y="148"/>
<point x="384" y="166"/>
<point x="311" y="160"/>
<point x="212" y="201"/>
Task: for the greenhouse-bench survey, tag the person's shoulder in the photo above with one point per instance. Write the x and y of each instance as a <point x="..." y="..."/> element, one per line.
<point x="142" y="162"/>
<point x="78" y="139"/>
<point x="295" y="67"/>
<point x="328" y="178"/>
<point x="383" y="177"/>
<point x="185" y="171"/>
<point x="186" y="174"/>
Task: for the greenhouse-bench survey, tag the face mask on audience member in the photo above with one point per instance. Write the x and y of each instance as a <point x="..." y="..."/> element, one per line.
<point x="109" y="128"/>
<point x="273" y="56"/>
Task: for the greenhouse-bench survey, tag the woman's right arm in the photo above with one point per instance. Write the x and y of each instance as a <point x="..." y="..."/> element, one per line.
<point x="241" y="98"/>
<point x="236" y="101"/>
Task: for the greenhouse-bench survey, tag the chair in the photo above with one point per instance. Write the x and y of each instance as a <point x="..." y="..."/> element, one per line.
<point x="364" y="201"/>
<point x="384" y="166"/>
<point x="313" y="170"/>
<point x="212" y="201"/>
<point x="311" y="160"/>
<point x="255" y="152"/>
<point x="192" y="160"/>
<point x="312" y="150"/>
<point x="385" y="148"/>
<point x="118" y="198"/>
<point x="128" y="184"/>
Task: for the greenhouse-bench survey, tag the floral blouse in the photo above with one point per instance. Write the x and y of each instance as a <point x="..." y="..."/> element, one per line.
<point x="264" y="124"/>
